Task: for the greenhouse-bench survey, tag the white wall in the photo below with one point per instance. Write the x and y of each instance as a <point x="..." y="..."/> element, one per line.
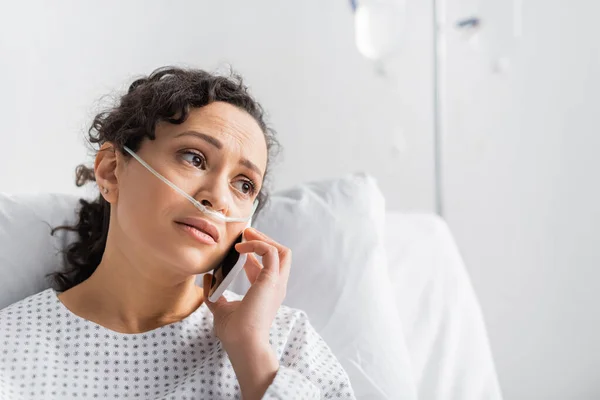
<point x="333" y="114"/>
<point x="519" y="148"/>
<point x="522" y="195"/>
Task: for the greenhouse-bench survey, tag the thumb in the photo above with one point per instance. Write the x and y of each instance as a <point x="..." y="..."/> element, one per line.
<point x="206" y="285"/>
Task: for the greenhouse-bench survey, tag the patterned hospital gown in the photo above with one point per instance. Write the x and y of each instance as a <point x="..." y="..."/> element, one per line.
<point x="47" y="352"/>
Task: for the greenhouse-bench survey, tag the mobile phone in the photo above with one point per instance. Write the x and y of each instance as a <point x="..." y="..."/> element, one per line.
<point x="226" y="272"/>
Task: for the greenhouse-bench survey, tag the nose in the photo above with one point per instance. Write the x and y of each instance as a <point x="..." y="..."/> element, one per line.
<point x="207" y="203"/>
<point x="214" y="195"/>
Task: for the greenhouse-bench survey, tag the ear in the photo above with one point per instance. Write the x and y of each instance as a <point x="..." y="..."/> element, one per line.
<point x="106" y="172"/>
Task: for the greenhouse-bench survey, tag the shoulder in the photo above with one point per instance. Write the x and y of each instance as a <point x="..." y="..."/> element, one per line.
<point x="20" y="315"/>
<point x="25" y="328"/>
<point x="34" y="301"/>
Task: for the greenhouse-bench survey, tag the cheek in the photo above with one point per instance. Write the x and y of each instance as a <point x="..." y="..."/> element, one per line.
<point x="143" y="206"/>
<point x="233" y="231"/>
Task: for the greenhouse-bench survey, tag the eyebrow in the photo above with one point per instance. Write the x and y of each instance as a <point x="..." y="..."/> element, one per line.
<point x="207" y="138"/>
<point x="216" y="143"/>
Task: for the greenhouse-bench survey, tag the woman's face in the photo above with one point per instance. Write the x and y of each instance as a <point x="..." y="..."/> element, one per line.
<point x="218" y="156"/>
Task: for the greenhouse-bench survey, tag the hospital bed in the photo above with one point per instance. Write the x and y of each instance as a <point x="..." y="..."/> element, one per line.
<point x="387" y="290"/>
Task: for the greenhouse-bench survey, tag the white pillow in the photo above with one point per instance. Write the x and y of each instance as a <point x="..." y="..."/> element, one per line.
<point x="339" y="277"/>
<point x="27" y="250"/>
<point x="339" y="274"/>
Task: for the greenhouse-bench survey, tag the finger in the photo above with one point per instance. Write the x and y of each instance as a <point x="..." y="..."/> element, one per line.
<point x="269" y="254"/>
<point x="206" y="285"/>
<point x="252" y="267"/>
<point x="252" y="233"/>
<point x="285" y="268"/>
<point x="284" y="253"/>
<point x="256" y="234"/>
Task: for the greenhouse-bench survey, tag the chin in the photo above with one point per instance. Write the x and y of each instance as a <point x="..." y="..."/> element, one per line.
<point x="194" y="261"/>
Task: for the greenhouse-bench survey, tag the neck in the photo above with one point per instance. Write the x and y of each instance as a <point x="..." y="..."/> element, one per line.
<point x="133" y="296"/>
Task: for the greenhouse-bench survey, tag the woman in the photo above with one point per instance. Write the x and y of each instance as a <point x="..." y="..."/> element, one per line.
<point x="181" y="166"/>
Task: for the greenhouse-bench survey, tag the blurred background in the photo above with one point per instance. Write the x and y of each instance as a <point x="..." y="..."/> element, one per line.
<point x="484" y="111"/>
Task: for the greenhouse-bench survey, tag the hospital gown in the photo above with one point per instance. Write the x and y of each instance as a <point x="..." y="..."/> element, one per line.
<point x="47" y="352"/>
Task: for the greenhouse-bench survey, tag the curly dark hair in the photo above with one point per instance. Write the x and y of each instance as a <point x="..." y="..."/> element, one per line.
<point x="167" y="94"/>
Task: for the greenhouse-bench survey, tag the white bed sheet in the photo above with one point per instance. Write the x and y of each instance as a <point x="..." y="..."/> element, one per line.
<point x="442" y="319"/>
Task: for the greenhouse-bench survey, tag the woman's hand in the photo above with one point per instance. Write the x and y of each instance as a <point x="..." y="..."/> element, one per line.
<point x="249" y="320"/>
<point x="243" y="326"/>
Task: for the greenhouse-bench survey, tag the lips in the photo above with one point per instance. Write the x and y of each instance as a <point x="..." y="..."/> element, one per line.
<point x="202" y="225"/>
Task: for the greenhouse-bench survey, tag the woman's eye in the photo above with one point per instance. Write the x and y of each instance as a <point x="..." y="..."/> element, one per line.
<point x="246" y="187"/>
<point x="195" y="159"/>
